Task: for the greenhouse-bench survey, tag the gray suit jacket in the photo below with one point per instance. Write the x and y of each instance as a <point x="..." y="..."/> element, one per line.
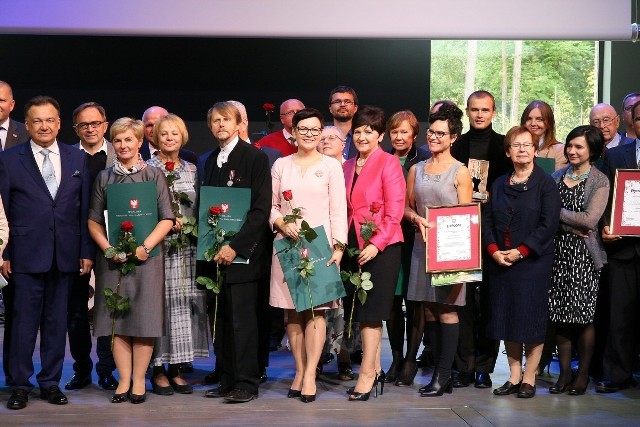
<point x="596" y="195"/>
<point x="111" y="153"/>
<point x="16" y="134"/>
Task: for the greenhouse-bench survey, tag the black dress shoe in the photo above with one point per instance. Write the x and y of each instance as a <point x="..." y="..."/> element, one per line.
<point x="107" y="381"/>
<point x="463" y="379"/>
<point x="607" y="386"/>
<point x="77" y="382"/>
<point x="136" y="399"/>
<point x="507" y="388"/>
<point x="54" y="395"/>
<point x="406" y="377"/>
<point x="212" y="377"/>
<point x="120" y="397"/>
<point x="307" y="398"/>
<point x="186" y="368"/>
<point x="558" y="388"/>
<point x="291" y="394"/>
<point x="438" y="386"/>
<point x="263" y="376"/>
<point x="217" y="392"/>
<point x="527" y="391"/>
<point x="345" y="373"/>
<point x="577" y="391"/>
<point x="483" y="380"/>
<point x="18" y="399"/>
<point x="239" y="395"/>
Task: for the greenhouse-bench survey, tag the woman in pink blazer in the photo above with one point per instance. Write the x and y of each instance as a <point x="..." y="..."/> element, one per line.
<point x="375" y="183"/>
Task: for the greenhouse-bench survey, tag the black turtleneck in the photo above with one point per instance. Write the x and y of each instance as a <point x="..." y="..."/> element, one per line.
<point x="479" y="143"/>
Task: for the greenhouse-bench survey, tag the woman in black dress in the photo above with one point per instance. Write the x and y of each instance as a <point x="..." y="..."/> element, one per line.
<point x="519" y="223"/>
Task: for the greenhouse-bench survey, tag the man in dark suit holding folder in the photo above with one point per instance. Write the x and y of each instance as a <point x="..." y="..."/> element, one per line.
<point x="240" y="165"/>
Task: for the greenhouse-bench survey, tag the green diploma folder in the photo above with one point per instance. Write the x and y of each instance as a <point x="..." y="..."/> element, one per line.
<point x="325" y="283"/>
<point x="547" y="164"/>
<point x="136" y="202"/>
<point x="235" y="203"/>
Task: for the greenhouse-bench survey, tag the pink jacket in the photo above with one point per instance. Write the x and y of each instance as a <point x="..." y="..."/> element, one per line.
<point x="381" y="180"/>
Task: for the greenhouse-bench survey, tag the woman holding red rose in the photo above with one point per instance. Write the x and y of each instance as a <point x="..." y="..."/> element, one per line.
<point x="375" y="191"/>
<point x="312" y="182"/>
<point x="137" y="328"/>
<point x="185" y="334"/>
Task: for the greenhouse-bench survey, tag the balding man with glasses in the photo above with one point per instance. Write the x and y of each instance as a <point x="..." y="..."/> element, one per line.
<point x="283" y="140"/>
<point x="604" y="117"/>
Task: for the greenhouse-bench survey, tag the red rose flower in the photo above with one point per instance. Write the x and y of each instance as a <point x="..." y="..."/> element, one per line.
<point x="170" y="166"/>
<point x="126" y="226"/>
<point x="304" y="253"/>
<point x="375" y="207"/>
<point x="215" y="210"/>
<point x="268" y="107"/>
<point x="287" y="195"/>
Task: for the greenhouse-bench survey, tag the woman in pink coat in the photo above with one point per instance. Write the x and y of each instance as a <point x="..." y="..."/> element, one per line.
<point x="375" y="192"/>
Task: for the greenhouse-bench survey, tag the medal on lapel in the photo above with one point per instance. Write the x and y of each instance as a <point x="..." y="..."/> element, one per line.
<point x="232" y="175"/>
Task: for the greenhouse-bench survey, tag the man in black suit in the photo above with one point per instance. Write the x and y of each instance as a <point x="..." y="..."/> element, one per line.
<point x="238" y="164"/>
<point x="148" y="149"/>
<point x="11" y="133"/>
<point x="45" y="187"/>
<point x="623" y="254"/>
<point x="476" y="352"/>
<point x="90" y="123"/>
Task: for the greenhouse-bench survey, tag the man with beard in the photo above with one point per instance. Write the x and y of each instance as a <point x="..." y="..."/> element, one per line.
<point x="343" y="104"/>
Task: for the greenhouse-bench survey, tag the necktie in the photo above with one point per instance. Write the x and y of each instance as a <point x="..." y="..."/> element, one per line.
<point x="292" y="141"/>
<point x="48" y="173"/>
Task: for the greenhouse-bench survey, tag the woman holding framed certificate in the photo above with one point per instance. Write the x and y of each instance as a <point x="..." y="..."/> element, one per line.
<point x="519" y="223"/>
<point x="134" y="330"/>
<point x="438" y="181"/>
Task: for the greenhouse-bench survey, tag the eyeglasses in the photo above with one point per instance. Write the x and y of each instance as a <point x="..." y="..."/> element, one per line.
<point x="605" y="121"/>
<point x="518" y="146"/>
<point x="331" y="138"/>
<point x="305" y="131"/>
<point x="289" y="113"/>
<point x="345" y="102"/>
<point x="86" y="125"/>
<point x="437" y="133"/>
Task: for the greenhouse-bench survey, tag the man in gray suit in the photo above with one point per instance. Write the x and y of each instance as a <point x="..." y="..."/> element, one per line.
<point x="90" y="124"/>
<point x="11" y="132"/>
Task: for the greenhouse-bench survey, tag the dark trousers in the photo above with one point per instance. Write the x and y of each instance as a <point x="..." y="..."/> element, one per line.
<point x="476" y="352"/>
<point x="40" y="301"/>
<point x="624" y="282"/>
<point x="236" y="345"/>
<point x="80" y="332"/>
<point x="7" y="299"/>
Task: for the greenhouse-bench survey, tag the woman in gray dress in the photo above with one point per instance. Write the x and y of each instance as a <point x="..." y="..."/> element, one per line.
<point x="137" y="328"/>
<point x="438" y="181"/>
<point x="185" y="323"/>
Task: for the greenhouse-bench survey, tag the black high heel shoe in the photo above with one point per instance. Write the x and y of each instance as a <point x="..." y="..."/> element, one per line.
<point x="575" y="391"/>
<point x="409" y="371"/>
<point x="180" y="388"/>
<point x="559" y="388"/>
<point x="307" y="398"/>
<point x="381" y="378"/>
<point x="160" y="390"/>
<point x="120" y="397"/>
<point x="138" y="398"/>
<point x="293" y="393"/>
<point x="436" y="387"/>
<point x="357" y="396"/>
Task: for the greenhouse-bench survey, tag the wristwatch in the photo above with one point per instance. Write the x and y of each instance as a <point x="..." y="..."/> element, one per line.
<point x="146" y="249"/>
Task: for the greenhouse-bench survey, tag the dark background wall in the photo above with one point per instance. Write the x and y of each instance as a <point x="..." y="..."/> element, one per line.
<point x="187" y="75"/>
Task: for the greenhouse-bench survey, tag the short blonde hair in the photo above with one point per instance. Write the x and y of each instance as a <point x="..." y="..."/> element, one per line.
<point x="123" y="124"/>
<point x="174" y="120"/>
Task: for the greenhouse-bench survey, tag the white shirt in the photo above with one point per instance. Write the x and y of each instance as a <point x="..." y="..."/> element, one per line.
<point x="3" y="132"/>
<point x="223" y="155"/>
<point x="54" y="156"/>
<point x="615" y="141"/>
<point x="153" y="151"/>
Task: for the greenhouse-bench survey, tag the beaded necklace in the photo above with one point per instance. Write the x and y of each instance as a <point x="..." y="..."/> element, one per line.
<point x="571" y="176"/>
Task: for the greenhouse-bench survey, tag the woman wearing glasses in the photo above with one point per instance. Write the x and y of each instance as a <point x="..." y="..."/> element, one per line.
<point x="316" y="186"/>
<point x="519" y="223"/>
<point x="538" y="118"/>
<point x="403" y="129"/>
<point x="375" y="193"/>
<point x="438" y="181"/>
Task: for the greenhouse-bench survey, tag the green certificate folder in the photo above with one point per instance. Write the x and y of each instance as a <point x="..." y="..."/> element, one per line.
<point x="136" y="202"/>
<point x="235" y="203"/>
<point x="548" y="165"/>
<point x="325" y="283"/>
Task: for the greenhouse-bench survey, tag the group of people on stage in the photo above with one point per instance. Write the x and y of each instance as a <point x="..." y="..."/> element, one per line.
<point x="546" y="246"/>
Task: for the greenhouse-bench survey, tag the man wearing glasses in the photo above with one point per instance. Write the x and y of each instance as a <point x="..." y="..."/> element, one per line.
<point x="627" y="103"/>
<point x="90" y="124"/>
<point x="343" y="104"/>
<point x="604" y="117"/>
<point x="283" y="140"/>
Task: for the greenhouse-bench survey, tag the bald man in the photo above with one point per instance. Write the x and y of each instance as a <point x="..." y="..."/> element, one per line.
<point x="11" y="131"/>
<point x="283" y="140"/>
<point x="604" y="117"/>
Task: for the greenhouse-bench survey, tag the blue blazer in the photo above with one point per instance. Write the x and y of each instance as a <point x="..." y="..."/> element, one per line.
<point x="43" y="229"/>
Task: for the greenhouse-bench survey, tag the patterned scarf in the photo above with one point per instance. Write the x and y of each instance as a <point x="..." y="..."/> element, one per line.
<point x="118" y="169"/>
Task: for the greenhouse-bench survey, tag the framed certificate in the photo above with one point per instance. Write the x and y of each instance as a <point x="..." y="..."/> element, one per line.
<point x="453" y="238"/>
<point x="625" y="206"/>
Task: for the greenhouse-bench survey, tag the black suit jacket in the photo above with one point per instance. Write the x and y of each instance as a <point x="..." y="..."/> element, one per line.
<point x="499" y="163"/>
<point x="620" y="157"/>
<point x="252" y="171"/>
<point x="16" y="134"/>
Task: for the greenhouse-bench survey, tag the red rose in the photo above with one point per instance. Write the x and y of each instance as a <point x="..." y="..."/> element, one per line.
<point x="215" y="210"/>
<point x="169" y="166"/>
<point x="126" y="226"/>
<point x="268" y="107"/>
<point x="287" y="195"/>
<point x="375" y="207"/>
<point x="304" y="253"/>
